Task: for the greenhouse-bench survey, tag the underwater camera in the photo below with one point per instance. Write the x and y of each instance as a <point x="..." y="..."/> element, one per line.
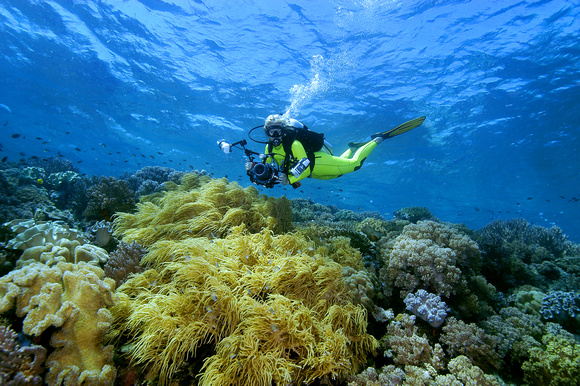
<point x="264" y="174"/>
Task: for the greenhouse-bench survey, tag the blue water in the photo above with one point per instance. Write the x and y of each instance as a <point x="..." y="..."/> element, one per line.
<point x="116" y="85"/>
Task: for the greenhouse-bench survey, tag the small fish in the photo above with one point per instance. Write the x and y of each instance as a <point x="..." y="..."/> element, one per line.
<point x="15" y="135"/>
<point x="4" y="159"/>
<point x="39" y="181"/>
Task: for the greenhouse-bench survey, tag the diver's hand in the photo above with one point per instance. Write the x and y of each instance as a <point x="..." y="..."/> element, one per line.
<point x="249" y="166"/>
<point x="284" y="179"/>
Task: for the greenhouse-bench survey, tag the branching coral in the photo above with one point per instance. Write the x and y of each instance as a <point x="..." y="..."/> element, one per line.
<point x="108" y="197"/>
<point x="151" y="179"/>
<point x="210" y="211"/>
<point x="275" y="311"/>
<point x="19" y="365"/>
<point x="517" y="252"/>
<point x="74" y="298"/>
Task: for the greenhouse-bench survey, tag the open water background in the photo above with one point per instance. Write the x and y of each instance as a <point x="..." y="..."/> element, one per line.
<point x="116" y="85"/>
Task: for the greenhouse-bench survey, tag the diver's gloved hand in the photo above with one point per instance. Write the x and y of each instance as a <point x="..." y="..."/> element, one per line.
<point x="283" y="179"/>
<point x="249" y="166"/>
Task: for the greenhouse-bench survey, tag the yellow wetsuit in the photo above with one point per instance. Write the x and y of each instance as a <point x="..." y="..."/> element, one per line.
<point x="326" y="166"/>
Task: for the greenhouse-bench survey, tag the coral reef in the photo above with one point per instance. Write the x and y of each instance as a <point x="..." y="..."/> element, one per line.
<point x="427" y="306"/>
<point x="20" y="365"/>
<point x="124" y="261"/>
<point x="516" y="252"/>
<point x="74" y="298"/>
<point x="108" y="197"/>
<point x="212" y="288"/>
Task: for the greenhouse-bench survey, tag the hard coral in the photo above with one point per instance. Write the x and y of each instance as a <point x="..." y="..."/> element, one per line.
<point x="414" y="214"/>
<point x="108" y="197"/>
<point x="517" y="252"/>
<point x="20" y="365"/>
<point x="73" y="298"/>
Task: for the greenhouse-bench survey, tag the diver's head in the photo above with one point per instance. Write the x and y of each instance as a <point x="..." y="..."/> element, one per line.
<point x="274" y="128"/>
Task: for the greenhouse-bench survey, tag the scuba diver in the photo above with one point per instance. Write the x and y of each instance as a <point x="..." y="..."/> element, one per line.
<point x="293" y="152"/>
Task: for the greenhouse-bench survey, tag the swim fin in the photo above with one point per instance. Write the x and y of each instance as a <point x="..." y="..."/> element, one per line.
<point x="403" y="128"/>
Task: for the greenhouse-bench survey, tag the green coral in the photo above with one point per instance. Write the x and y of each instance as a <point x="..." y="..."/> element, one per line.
<point x="414" y="214"/>
<point x="557" y="363"/>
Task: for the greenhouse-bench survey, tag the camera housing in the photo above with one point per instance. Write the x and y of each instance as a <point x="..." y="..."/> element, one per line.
<point x="264" y="174"/>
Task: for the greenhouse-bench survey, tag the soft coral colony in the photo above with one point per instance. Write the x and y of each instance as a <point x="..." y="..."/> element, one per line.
<point x="271" y="309"/>
<point x="214" y="284"/>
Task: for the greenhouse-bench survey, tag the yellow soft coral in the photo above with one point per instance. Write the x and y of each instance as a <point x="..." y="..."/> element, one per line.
<point x="557" y="364"/>
<point x="74" y="298"/>
<point x="275" y="310"/>
<point x="210" y="210"/>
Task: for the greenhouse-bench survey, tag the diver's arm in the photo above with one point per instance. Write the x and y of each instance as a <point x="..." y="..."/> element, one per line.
<point x="298" y="152"/>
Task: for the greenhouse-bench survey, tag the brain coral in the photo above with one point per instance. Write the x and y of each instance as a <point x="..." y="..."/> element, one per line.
<point x="210" y="210"/>
<point x="429" y="255"/>
<point x="275" y="311"/>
